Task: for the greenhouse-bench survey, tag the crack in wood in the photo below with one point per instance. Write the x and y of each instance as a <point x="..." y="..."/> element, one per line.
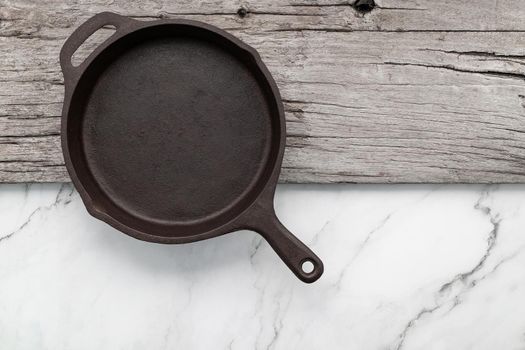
<point x="492" y="73"/>
<point x="491" y="54"/>
<point x="25" y="136"/>
<point x="306" y="4"/>
<point x="402" y="8"/>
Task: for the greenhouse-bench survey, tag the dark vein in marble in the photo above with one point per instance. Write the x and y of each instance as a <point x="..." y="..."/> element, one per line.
<point x="360" y="249"/>
<point x="412" y="323"/>
<point x="278" y="323"/>
<point x="257" y="245"/>
<point x="491" y="243"/>
<point x="463" y="278"/>
<point x="258" y="310"/>
<point x="319" y="233"/>
<point x="372" y="233"/>
<point x="58" y="201"/>
<point x="457" y="299"/>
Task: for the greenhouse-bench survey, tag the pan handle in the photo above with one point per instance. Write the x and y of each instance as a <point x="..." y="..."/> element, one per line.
<point x="294" y="253"/>
<point x="80" y="35"/>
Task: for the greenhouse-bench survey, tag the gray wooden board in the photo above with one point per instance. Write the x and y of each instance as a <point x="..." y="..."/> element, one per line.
<point x="414" y="91"/>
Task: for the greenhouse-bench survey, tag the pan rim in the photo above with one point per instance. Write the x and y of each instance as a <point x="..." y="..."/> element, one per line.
<point x="267" y="187"/>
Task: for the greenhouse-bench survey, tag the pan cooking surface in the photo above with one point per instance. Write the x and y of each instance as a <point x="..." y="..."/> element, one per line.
<point x="172" y="128"/>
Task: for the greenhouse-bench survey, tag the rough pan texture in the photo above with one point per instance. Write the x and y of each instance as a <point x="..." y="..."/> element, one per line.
<point x="411" y="91"/>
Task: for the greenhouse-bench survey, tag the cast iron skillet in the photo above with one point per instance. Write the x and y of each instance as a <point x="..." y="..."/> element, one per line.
<point x="173" y="131"/>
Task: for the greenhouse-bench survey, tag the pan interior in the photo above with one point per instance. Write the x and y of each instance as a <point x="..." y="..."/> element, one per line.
<point x="173" y="126"/>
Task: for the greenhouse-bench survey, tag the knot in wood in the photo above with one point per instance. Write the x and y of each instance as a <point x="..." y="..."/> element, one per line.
<point x="364" y="6"/>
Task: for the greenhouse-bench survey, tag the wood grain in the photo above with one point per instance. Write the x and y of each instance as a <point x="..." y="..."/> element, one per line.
<point x="414" y="91"/>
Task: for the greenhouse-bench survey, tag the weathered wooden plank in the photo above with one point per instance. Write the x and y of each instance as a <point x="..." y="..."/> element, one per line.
<point x="414" y="91"/>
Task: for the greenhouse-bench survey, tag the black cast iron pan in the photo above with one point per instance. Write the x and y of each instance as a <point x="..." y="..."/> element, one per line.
<point x="173" y="131"/>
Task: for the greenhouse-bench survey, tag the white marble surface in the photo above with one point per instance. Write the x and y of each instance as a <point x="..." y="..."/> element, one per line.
<point x="406" y="267"/>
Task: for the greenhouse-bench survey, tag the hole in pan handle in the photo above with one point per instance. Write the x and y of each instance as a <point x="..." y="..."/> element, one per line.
<point x="294" y="253"/>
<point x="81" y="34"/>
